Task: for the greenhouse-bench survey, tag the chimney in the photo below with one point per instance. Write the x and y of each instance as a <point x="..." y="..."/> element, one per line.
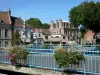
<point x="9" y="11"/>
<point x="60" y="23"/>
<point x="51" y="24"/>
<point x="57" y="24"/>
<point x="24" y="23"/>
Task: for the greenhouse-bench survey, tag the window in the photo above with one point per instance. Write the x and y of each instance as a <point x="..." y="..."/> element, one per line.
<point x="39" y="35"/>
<point x="6" y="43"/>
<point x="1" y="21"/>
<point x="62" y="24"/>
<point x="57" y="36"/>
<point x="69" y="33"/>
<point x="51" y="36"/>
<point x="0" y="33"/>
<point x="64" y="37"/>
<point x="0" y="44"/>
<point x="46" y="37"/>
<point x="72" y="33"/>
<point x="6" y="33"/>
<point x="23" y="33"/>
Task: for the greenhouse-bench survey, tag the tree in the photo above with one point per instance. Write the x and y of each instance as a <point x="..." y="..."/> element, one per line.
<point x="46" y="25"/>
<point x="87" y="14"/>
<point x="66" y="57"/>
<point x="34" y="22"/>
<point x="16" y="40"/>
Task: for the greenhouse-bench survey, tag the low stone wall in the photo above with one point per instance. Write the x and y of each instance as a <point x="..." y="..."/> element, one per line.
<point x="32" y="71"/>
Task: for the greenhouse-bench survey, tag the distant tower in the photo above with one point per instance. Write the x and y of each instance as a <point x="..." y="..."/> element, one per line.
<point x="60" y="23"/>
<point x="51" y="24"/>
<point x="57" y="24"/>
<point x="9" y="11"/>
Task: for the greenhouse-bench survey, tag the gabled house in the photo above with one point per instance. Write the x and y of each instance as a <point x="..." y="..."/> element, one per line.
<point x="8" y="25"/>
<point x="24" y="29"/>
<point x="5" y="29"/>
<point x="38" y="35"/>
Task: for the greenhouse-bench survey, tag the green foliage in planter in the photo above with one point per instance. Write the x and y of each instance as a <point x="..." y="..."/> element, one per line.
<point x="29" y="46"/>
<point x="64" y="57"/>
<point x="98" y="48"/>
<point x="45" y="46"/>
<point x="61" y="57"/>
<point x="75" y="57"/>
<point x="17" y="53"/>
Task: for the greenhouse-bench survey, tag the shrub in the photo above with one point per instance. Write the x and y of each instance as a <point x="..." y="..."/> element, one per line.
<point x="75" y="57"/>
<point x="17" y="53"/>
<point x="45" y="46"/>
<point x="61" y="57"/>
<point x="64" y="57"/>
<point x="98" y="47"/>
<point x="29" y="46"/>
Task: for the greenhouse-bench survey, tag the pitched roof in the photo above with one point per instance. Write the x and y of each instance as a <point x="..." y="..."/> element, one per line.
<point x="36" y="29"/>
<point x="27" y="25"/>
<point x="5" y="17"/>
<point x="46" y="31"/>
<point x="17" y="21"/>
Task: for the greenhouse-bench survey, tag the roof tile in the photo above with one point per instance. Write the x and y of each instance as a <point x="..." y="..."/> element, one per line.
<point x="5" y="17"/>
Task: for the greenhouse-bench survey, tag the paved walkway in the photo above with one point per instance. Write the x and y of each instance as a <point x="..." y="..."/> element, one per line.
<point x="31" y="71"/>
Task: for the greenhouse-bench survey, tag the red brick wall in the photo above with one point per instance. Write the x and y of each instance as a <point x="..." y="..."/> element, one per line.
<point x="88" y="36"/>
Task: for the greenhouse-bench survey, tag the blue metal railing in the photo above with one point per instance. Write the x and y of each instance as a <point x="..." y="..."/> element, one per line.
<point x="43" y="58"/>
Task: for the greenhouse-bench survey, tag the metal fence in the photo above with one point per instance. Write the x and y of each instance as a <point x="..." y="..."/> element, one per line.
<point x="43" y="58"/>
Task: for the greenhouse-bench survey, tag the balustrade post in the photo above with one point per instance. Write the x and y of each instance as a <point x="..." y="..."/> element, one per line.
<point x="84" y="64"/>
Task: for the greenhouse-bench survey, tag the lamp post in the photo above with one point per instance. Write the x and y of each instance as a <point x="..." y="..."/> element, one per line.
<point x="24" y="30"/>
<point x="36" y="36"/>
<point x="31" y="35"/>
<point x="61" y="42"/>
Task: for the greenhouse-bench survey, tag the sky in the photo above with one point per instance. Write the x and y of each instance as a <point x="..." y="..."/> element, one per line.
<point x="45" y="10"/>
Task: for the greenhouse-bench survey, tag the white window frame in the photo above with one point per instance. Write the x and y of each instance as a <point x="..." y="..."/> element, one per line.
<point x="7" y="32"/>
<point x="1" y="44"/>
<point x="1" y="33"/>
<point x="5" y="43"/>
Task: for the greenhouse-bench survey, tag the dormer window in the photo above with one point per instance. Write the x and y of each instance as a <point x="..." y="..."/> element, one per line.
<point x="1" y="21"/>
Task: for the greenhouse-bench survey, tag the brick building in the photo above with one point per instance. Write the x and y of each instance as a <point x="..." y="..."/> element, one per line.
<point x="67" y="31"/>
<point x="61" y="32"/>
<point x="89" y="36"/>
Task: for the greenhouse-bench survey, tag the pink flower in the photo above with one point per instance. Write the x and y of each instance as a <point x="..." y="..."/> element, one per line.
<point x="13" y="54"/>
<point x="10" y="57"/>
<point x="13" y="62"/>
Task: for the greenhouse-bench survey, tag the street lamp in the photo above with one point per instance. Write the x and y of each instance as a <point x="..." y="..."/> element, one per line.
<point x="80" y="27"/>
<point x="24" y="30"/>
